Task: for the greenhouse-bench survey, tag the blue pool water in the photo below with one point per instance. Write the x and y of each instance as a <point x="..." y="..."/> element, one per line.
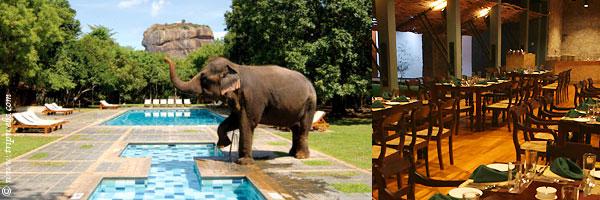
<point x="151" y="117"/>
<point x="173" y="175"/>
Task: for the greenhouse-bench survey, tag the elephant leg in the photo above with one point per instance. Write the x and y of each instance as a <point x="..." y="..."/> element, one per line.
<point x="300" y="139"/>
<point x="246" y="136"/>
<point x="229" y="124"/>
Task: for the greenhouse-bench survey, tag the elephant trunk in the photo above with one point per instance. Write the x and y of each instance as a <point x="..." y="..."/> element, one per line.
<point x="192" y="85"/>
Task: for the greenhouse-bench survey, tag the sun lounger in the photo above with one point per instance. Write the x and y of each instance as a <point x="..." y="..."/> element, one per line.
<point x="178" y="102"/>
<point x="163" y="102"/>
<point x="170" y="102"/>
<point x="319" y="122"/>
<point x="25" y="120"/>
<point x="147" y="102"/>
<point x="155" y="102"/>
<point x="53" y="109"/>
<point x="187" y="102"/>
<point x="33" y="117"/>
<point x="104" y="104"/>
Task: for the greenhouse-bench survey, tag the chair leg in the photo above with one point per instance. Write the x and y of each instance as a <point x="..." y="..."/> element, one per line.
<point x="426" y="157"/>
<point x="450" y="152"/>
<point x="439" y="152"/>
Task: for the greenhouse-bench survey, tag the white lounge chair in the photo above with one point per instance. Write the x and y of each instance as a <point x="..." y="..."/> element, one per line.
<point x="24" y="120"/>
<point x="155" y="102"/>
<point x="163" y="102"/>
<point x="187" y="102"/>
<point x="319" y="122"/>
<point x="178" y="102"/>
<point x="33" y="117"/>
<point x="170" y="102"/>
<point x="104" y="104"/>
<point x="147" y="102"/>
<point x="53" y="109"/>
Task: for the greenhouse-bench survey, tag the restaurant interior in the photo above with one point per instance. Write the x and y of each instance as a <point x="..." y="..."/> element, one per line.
<point x="486" y="99"/>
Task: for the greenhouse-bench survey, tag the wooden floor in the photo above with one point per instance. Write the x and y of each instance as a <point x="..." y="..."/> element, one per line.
<point x="471" y="149"/>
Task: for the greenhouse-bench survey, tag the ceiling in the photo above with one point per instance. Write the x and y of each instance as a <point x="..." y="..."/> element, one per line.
<point x="408" y="11"/>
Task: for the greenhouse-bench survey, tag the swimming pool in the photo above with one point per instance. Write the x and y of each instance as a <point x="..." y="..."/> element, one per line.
<point x="173" y="175"/>
<point x="165" y="117"/>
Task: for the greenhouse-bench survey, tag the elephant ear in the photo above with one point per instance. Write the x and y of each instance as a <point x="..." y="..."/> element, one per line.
<point x="230" y="81"/>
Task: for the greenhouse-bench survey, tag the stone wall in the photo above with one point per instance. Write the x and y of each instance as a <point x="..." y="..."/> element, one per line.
<point x="573" y="31"/>
<point x="581" y="30"/>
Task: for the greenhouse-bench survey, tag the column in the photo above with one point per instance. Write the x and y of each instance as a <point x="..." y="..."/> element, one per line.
<point x="496" y="35"/>
<point x="386" y="27"/>
<point x="524" y="26"/>
<point x="453" y="32"/>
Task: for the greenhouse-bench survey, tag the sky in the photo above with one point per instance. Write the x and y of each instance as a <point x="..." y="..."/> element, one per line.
<point x="129" y="18"/>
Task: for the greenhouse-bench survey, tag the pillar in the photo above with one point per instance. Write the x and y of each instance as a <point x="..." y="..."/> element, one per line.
<point x="496" y="34"/>
<point x="524" y="27"/>
<point x="386" y="27"/>
<point x="453" y="33"/>
<point x="554" y="28"/>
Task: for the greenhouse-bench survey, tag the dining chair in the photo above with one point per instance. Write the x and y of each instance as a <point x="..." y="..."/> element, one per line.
<point x="522" y="123"/>
<point x="512" y="94"/>
<point x="420" y="120"/>
<point x="443" y="116"/>
<point x="573" y="151"/>
<point x="393" y="161"/>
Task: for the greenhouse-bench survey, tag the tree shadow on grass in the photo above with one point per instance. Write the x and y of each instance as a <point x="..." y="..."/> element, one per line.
<point x="350" y="121"/>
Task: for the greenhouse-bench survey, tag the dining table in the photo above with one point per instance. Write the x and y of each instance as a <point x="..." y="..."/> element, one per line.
<point x="584" y="126"/>
<point x="379" y="115"/>
<point x="477" y="90"/>
<point x="545" y="178"/>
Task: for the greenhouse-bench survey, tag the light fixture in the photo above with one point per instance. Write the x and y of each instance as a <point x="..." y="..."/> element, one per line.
<point x="483" y="12"/>
<point x="438" y="5"/>
<point x="585" y="4"/>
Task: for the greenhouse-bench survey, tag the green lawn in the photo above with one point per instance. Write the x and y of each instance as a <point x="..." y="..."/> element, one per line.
<point x="347" y="139"/>
<point x="22" y="144"/>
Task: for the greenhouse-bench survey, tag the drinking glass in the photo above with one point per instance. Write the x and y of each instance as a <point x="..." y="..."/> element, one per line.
<point x="530" y="164"/>
<point x="570" y="192"/>
<point x="470" y="196"/>
<point x="589" y="161"/>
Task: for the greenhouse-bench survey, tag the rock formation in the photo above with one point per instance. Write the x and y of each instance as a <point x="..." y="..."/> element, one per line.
<point x="178" y="39"/>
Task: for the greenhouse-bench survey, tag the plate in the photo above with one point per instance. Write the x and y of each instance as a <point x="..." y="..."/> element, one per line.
<point x="555" y="197"/>
<point x="500" y="166"/>
<point x="391" y="103"/>
<point x="458" y="192"/>
<point x="595" y="174"/>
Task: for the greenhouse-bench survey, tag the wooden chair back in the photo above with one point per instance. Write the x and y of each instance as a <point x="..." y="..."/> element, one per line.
<point x="573" y="151"/>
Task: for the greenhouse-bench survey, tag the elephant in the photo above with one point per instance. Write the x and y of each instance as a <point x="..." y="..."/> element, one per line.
<point x="266" y="94"/>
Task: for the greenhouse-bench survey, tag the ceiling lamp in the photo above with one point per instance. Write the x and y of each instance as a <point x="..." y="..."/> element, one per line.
<point x="483" y="12"/>
<point x="438" y="5"/>
<point x="586" y="4"/>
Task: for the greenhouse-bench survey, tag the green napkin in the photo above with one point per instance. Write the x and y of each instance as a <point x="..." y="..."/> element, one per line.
<point x="386" y="95"/>
<point x="400" y="99"/>
<point x="502" y="78"/>
<point x="573" y="114"/>
<point x="377" y="104"/>
<point x="482" y="82"/>
<point x="566" y="168"/>
<point x="493" y="80"/>
<point x="484" y="174"/>
<point x="439" y="196"/>
<point x="590" y="101"/>
<point x="583" y="106"/>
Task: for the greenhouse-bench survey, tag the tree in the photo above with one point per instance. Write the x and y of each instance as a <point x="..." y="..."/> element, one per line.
<point x="31" y="34"/>
<point x="199" y="57"/>
<point x="328" y="41"/>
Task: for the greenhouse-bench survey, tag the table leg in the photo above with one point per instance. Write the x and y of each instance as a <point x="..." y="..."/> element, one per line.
<point x="478" y="112"/>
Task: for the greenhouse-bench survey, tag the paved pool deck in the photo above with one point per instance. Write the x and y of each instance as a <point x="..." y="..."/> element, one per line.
<point x="89" y="151"/>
